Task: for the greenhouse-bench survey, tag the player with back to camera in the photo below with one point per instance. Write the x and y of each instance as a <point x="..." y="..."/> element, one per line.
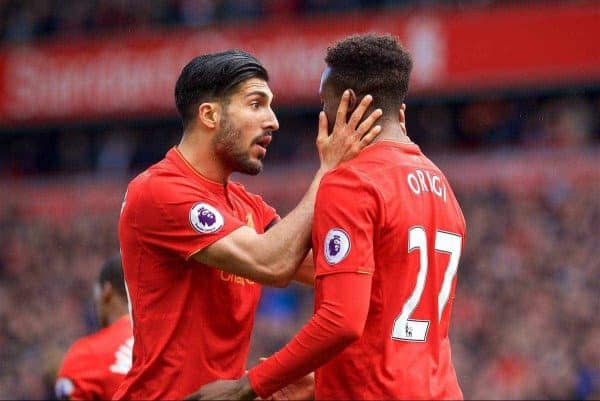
<point x="195" y="244"/>
<point x="387" y="238"/>
<point x="95" y="365"/>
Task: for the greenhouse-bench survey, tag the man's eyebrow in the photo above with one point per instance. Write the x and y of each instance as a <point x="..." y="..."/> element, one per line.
<point x="258" y="93"/>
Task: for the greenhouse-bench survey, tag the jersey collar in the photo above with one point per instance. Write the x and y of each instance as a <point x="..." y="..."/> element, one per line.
<point x="412" y="148"/>
<point x="175" y="156"/>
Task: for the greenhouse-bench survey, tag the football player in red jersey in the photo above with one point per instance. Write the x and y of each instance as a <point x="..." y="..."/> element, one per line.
<point x="195" y="244"/>
<point x="95" y="365"/>
<point x="387" y="238"/>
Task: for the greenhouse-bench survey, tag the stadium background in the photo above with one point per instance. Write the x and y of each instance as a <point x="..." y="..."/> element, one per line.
<point x="505" y="97"/>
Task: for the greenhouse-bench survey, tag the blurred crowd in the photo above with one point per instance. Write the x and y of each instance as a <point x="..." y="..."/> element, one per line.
<point x="525" y="322"/>
<point x="525" y="318"/>
<point x="23" y="20"/>
<point x="47" y="266"/>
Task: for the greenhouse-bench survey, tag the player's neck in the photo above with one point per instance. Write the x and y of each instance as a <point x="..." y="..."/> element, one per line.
<point x="198" y="153"/>
<point x="393" y="132"/>
<point x="117" y="311"/>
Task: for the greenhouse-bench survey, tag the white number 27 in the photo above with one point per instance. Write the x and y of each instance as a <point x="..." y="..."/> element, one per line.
<point x="407" y="329"/>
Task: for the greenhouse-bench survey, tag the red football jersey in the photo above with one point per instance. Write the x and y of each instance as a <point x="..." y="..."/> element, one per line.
<point x="390" y="212"/>
<point x="191" y="322"/>
<point x="95" y="365"/>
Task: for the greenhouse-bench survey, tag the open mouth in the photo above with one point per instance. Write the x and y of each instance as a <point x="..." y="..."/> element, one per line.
<point x="264" y="141"/>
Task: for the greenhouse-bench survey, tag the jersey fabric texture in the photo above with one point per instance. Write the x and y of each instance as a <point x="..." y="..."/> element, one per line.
<point x="337" y="322"/>
<point x="191" y="322"/>
<point x="382" y="294"/>
<point x="95" y="365"/>
<point x="365" y="213"/>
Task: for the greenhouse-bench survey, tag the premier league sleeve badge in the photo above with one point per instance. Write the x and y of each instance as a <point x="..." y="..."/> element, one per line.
<point x="337" y="246"/>
<point x="205" y="219"/>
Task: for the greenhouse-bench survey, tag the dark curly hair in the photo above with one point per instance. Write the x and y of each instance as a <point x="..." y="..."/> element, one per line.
<point x="112" y="272"/>
<point x="213" y="77"/>
<point x="371" y="64"/>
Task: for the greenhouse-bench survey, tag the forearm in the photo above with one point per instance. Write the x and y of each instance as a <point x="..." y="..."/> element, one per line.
<point x="305" y="274"/>
<point x="272" y="257"/>
<point x="314" y="345"/>
<point x="284" y="247"/>
<point x="338" y="322"/>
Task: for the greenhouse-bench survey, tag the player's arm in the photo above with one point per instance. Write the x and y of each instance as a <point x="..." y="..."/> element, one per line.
<point x="339" y="321"/>
<point x="306" y="271"/>
<point x="74" y="380"/>
<point x="303" y="389"/>
<point x="273" y="257"/>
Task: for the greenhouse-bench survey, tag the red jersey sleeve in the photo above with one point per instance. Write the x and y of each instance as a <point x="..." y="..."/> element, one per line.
<point x="179" y="216"/>
<point x="77" y="379"/>
<point x="339" y="320"/>
<point x="346" y="211"/>
<point x="269" y="214"/>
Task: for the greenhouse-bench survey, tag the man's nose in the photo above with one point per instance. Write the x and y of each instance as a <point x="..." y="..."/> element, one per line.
<point x="272" y="123"/>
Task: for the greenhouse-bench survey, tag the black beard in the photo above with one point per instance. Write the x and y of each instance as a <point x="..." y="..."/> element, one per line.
<point x="228" y="149"/>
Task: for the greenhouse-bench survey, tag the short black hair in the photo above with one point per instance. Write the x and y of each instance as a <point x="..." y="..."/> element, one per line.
<point x="371" y="64"/>
<point x="213" y="76"/>
<point x="112" y="272"/>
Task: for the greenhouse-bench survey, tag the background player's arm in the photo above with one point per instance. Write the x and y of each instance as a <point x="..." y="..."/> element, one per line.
<point x="273" y="257"/>
<point x="74" y="378"/>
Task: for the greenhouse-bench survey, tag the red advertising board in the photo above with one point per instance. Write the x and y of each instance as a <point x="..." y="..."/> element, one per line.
<point x="454" y="52"/>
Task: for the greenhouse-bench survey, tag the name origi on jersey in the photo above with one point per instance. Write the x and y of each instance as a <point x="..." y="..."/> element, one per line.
<point x="420" y="182"/>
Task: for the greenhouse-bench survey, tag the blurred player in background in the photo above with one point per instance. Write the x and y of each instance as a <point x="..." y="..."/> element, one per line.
<point x="195" y="244"/>
<point x="387" y="238"/>
<point x="95" y="365"/>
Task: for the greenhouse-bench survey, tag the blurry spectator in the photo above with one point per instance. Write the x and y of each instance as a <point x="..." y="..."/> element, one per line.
<point x="320" y="6"/>
<point x="487" y="121"/>
<point x="72" y="20"/>
<point x="19" y="24"/>
<point x="115" y="153"/>
<point x="112" y="15"/>
<point x="282" y="7"/>
<point x="74" y="151"/>
<point x="433" y="126"/>
<point x="197" y="13"/>
<point x="232" y="10"/>
<point x="567" y="123"/>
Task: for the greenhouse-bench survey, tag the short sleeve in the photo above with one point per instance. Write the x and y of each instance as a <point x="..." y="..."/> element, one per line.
<point x="264" y="215"/>
<point x="269" y="214"/>
<point x="180" y="217"/>
<point x="77" y="377"/>
<point x="347" y="212"/>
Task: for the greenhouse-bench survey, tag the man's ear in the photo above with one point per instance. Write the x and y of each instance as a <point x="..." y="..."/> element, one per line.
<point x="106" y="292"/>
<point x="352" y="103"/>
<point x="401" y="114"/>
<point x="209" y="114"/>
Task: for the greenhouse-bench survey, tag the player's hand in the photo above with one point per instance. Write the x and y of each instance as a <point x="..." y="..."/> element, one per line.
<point x="349" y="137"/>
<point x="225" y="390"/>
<point x="303" y="389"/>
